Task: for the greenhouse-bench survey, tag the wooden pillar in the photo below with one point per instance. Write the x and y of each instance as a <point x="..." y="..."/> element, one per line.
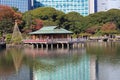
<point x="73" y="45"/>
<point x="46" y="46"/>
<point x="68" y="45"/>
<point x="62" y="45"/>
<point x="41" y="46"/>
<point x="51" y="46"/>
<point x="57" y="46"/>
<point x="37" y="46"/>
<point x="32" y="46"/>
<point x="78" y="44"/>
<point x="82" y="44"/>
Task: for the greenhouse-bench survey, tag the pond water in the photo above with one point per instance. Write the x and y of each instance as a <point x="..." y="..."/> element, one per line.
<point x="94" y="61"/>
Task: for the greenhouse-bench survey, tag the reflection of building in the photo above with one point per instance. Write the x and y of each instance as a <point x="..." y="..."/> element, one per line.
<point x="22" y="5"/>
<point x="104" y="5"/>
<point x="93" y="68"/>
<point x="69" y="71"/>
<point x="74" y="64"/>
<point x="84" y="7"/>
<point x="52" y="53"/>
<point x="83" y="69"/>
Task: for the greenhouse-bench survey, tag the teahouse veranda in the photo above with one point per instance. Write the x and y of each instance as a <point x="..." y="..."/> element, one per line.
<point x="50" y="36"/>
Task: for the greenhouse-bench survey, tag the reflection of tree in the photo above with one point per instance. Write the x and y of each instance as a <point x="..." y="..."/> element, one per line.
<point x="6" y="65"/>
<point x="36" y="64"/>
<point x="13" y="59"/>
<point x="17" y="58"/>
<point x="50" y="60"/>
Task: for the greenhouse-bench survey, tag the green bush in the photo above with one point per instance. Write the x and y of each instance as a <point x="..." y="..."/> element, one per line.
<point x="8" y="38"/>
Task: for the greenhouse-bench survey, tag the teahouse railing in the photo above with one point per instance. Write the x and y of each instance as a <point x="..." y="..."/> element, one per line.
<point x="57" y="40"/>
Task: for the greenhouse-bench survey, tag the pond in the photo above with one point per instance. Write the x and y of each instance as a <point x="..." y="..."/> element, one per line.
<point x="94" y="61"/>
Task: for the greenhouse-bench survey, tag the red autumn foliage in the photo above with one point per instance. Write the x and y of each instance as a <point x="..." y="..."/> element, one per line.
<point x="37" y="24"/>
<point x="8" y="13"/>
<point x="92" y="30"/>
<point x="108" y="26"/>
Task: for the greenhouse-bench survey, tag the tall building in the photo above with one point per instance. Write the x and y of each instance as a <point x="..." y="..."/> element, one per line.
<point x="104" y="5"/>
<point x="84" y="7"/>
<point x="80" y="6"/>
<point x="22" y="5"/>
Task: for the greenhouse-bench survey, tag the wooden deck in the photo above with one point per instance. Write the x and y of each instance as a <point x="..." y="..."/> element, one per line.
<point x="54" y="41"/>
<point x="62" y="42"/>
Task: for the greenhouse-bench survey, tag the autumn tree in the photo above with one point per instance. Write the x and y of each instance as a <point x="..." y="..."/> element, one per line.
<point x="109" y="28"/>
<point x="7" y="18"/>
<point x="92" y="30"/>
<point x="37" y="24"/>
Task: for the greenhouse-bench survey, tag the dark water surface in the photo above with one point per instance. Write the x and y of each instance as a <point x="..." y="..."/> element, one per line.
<point x="94" y="61"/>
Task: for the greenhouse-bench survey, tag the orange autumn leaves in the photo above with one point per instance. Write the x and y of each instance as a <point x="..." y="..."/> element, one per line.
<point x="37" y="24"/>
<point x="7" y="12"/>
<point x="108" y="27"/>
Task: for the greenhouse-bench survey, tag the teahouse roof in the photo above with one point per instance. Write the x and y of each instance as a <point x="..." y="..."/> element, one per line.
<point x="51" y="30"/>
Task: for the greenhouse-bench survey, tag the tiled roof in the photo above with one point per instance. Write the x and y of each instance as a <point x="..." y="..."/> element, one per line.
<point x="51" y="30"/>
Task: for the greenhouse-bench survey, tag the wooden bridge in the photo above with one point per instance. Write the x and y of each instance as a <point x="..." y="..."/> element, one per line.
<point x="55" y="43"/>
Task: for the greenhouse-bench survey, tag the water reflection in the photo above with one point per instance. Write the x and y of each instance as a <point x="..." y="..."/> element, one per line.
<point x="108" y="59"/>
<point x="11" y="67"/>
<point x="96" y="61"/>
<point x="61" y="64"/>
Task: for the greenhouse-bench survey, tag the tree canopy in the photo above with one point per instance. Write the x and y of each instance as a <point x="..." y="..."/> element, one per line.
<point x="47" y="16"/>
<point x="7" y="18"/>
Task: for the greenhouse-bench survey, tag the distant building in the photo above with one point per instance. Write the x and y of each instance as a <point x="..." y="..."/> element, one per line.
<point x="104" y="5"/>
<point x="22" y="5"/>
<point x="84" y="7"/>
